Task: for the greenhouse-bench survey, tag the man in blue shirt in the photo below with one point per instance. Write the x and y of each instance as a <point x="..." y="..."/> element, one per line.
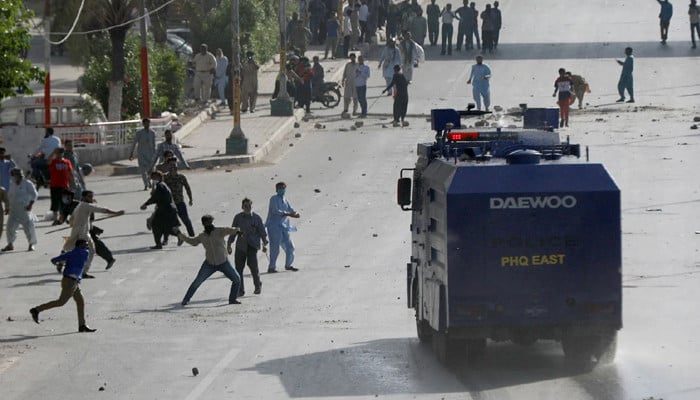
<point x="6" y="165"/>
<point x="626" y="81"/>
<point x="362" y="73"/>
<point x="479" y="78"/>
<point x="665" y="18"/>
<point x="278" y="228"/>
<point x="70" y="284"/>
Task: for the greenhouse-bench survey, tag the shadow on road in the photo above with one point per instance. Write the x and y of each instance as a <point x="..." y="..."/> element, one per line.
<point x="404" y="366"/>
<point x="558" y="51"/>
<point x="22" y="338"/>
<point x="37" y="283"/>
<point x="30" y="276"/>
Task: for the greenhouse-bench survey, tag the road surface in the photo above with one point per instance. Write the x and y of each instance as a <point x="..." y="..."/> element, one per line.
<point x="339" y="328"/>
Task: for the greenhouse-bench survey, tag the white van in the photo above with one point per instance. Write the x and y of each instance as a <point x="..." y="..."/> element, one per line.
<point x="71" y="115"/>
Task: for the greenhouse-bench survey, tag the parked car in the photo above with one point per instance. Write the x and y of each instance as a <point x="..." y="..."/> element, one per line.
<point x="179" y="46"/>
<point x="184" y="33"/>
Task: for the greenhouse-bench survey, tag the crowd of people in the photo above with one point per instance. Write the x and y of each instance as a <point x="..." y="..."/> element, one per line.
<point x="468" y="33"/>
<point x="71" y="201"/>
<point x="666" y="13"/>
<point x="406" y="29"/>
<point x="319" y="22"/>
<point x="158" y="166"/>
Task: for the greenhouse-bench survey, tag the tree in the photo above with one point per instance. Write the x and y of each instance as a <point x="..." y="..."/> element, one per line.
<point x="259" y="26"/>
<point x="15" y="72"/>
<point x="210" y="21"/>
<point x="159" y="20"/>
<point x="166" y="84"/>
<point x="114" y="15"/>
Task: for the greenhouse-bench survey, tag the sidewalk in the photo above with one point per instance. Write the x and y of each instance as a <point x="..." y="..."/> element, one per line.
<point x="203" y="139"/>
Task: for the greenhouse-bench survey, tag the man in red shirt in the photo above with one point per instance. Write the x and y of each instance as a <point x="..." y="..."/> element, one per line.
<point x="306" y="74"/>
<point x="61" y="171"/>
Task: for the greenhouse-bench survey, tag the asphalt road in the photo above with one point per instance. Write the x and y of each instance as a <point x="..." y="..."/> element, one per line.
<point x="340" y="327"/>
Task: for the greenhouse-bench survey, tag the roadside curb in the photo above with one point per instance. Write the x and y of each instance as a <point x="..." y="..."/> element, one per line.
<point x="194" y="123"/>
<point x="224" y="160"/>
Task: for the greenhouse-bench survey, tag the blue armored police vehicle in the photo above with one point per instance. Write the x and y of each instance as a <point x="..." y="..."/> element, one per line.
<point x="513" y="239"/>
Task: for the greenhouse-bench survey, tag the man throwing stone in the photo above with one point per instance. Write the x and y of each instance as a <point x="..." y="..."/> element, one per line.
<point x="216" y="258"/>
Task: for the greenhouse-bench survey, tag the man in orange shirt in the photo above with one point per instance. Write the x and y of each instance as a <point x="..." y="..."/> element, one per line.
<point x="61" y="171"/>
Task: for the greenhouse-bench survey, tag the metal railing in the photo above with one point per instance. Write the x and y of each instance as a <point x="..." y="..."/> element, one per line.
<point x="110" y="133"/>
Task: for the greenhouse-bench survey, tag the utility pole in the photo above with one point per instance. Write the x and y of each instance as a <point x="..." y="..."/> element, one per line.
<point x="236" y="142"/>
<point x="339" y="53"/>
<point x="47" y="63"/>
<point x="145" y="92"/>
<point x="282" y="104"/>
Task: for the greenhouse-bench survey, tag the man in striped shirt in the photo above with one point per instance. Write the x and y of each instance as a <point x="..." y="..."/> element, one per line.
<point x="166" y="145"/>
<point x="176" y="182"/>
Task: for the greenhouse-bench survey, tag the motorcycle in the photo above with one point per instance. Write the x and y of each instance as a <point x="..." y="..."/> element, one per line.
<point x="329" y="96"/>
<point x="38" y="170"/>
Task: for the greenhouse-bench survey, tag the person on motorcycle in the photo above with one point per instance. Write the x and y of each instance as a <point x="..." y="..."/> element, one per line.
<point x="306" y="74"/>
<point x="40" y="159"/>
<point x="292" y="77"/>
<point x="317" y="80"/>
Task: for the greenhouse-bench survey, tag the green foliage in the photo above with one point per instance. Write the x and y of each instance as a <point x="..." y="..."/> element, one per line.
<point x="258" y="26"/>
<point x="167" y="77"/>
<point x="15" y="72"/>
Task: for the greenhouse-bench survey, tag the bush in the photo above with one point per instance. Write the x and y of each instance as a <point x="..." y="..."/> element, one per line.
<point x="167" y="77"/>
<point x="259" y="27"/>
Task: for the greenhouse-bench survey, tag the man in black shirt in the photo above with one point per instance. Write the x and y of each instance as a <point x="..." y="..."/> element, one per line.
<point x="251" y="231"/>
<point x="400" y="85"/>
<point x="165" y="216"/>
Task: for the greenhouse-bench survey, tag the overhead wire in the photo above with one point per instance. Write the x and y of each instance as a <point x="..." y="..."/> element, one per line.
<point x="126" y="23"/>
<point x="70" y="31"/>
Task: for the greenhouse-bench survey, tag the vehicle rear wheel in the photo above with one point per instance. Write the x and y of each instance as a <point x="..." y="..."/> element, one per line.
<point x="524" y="339"/>
<point x="330" y="98"/>
<point x="607" y="347"/>
<point x="579" y="349"/>
<point x="595" y="349"/>
<point x="425" y="332"/>
<point x="476" y="349"/>
<point x="447" y="350"/>
<point x="576" y="349"/>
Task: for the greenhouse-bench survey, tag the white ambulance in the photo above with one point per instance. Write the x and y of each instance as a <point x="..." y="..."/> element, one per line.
<point x="73" y="115"/>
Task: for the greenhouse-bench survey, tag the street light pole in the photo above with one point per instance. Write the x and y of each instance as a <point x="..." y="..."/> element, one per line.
<point x="339" y="53"/>
<point x="47" y="63"/>
<point x="236" y="142"/>
<point x="282" y="104"/>
<point x="145" y="91"/>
